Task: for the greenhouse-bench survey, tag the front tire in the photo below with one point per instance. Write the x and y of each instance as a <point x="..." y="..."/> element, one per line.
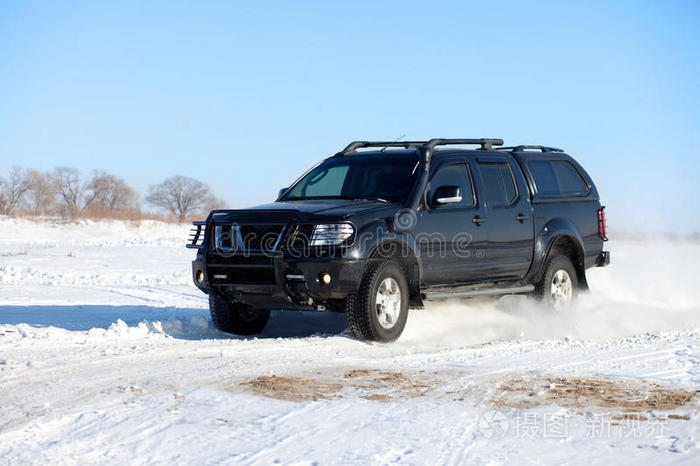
<point x="237" y="318"/>
<point x="559" y="285"/>
<point x="379" y="309"/>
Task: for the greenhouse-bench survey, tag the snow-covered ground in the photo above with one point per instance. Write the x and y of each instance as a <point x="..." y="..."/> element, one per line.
<point x="108" y="355"/>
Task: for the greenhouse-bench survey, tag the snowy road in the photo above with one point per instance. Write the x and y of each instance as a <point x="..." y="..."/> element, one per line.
<point x="107" y="355"/>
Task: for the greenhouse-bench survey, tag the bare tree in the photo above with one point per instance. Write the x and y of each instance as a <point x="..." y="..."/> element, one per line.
<point x="112" y="193"/>
<point x="12" y="190"/>
<point x="39" y="199"/>
<point x="74" y="196"/>
<point x="181" y="196"/>
<point x="68" y="189"/>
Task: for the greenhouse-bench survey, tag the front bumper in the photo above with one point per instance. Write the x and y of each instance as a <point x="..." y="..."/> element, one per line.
<point x="603" y="259"/>
<point x="278" y="282"/>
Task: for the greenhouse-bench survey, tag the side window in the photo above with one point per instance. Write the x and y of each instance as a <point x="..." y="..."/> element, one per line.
<point x="568" y="178"/>
<point x="454" y="175"/>
<point x="545" y="180"/>
<point x="557" y="177"/>
<point x="499" y="185"/>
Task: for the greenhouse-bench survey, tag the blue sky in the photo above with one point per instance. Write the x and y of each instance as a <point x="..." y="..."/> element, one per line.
<point x="248" y="95"/>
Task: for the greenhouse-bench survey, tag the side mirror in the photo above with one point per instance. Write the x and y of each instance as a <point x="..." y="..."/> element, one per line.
<point x="447" y="195"/>
<point x="281" y="192"/>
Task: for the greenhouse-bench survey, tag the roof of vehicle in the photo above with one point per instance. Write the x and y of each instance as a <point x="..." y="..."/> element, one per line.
<point x="484" y="143"/>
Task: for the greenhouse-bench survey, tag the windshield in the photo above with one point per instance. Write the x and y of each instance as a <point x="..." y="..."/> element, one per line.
<point x="379" y="177"/>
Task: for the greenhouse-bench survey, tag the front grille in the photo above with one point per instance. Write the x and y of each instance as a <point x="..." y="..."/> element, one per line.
<point x="243" y="253"/>
<point x="245" y="237"/>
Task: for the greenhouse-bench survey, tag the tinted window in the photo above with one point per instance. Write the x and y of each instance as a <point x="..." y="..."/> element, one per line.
<point x="545" y="180"/>
<point x="498" y="183"/>
<point x="389" y="177"/>
<point x="454" y="175"/>
<point x="557" y="177"/>
<point x="328" y="182"/>
<point x="569" y="179"/>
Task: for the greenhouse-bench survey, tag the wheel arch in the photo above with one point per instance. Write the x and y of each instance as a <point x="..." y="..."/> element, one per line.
<point x="560" y="237"/>
<point x="403" y="253"/>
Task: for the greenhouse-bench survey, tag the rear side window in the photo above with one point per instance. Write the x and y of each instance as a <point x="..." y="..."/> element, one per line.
<point x="454" y="175"/>
<point x="557" y="178"/>
<point x="498" y="183"/>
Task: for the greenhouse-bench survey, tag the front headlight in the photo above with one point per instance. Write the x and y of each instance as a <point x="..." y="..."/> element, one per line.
<point x="331" y="234"/>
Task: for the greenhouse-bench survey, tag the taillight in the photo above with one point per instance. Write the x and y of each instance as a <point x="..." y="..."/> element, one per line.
<point x="602" y="224"/>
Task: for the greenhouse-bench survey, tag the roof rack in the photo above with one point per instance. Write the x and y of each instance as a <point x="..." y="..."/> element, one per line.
<point x="362" y="144"/>
<point x="485" y="143"/>
<point x="529" y="147"/>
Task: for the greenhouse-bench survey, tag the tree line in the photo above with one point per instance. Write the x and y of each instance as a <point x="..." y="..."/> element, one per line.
<point x="67" y="193"/>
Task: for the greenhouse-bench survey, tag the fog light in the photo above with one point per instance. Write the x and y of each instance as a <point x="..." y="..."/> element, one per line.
<point x="325" y="278"/>
<point x="200" y="276"/>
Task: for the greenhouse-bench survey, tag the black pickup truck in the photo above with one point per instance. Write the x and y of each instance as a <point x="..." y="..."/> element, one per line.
<point x="381" y="227"/>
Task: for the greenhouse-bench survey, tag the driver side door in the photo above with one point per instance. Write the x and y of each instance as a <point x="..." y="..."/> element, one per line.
<point x="450" y="236"/>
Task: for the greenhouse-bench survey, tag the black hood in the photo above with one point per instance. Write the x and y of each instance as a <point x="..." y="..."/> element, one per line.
<point x="307" y="210"/>
<point x="338" y="207"/>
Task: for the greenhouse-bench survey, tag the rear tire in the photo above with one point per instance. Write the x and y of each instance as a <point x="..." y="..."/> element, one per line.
<point x="558" y="288"/>
<point x="379" y="309"/>
<point x="237" y="318"/>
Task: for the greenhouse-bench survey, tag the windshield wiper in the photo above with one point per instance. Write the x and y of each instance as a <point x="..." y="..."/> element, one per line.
<point x="348" y="198"/>
<point x="308" y="198"/>
<point x="365" y="198"/>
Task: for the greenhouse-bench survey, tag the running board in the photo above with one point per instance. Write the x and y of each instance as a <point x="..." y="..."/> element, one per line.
<point x="430" y="295"/>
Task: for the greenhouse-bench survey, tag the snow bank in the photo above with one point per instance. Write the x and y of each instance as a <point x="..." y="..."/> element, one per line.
<point x="110" y="253"/>
<point x="104" y="233"/>
<point x="196" y="327"/>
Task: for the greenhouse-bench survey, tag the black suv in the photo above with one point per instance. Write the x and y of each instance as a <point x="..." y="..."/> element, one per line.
<point x="384" y="226"/>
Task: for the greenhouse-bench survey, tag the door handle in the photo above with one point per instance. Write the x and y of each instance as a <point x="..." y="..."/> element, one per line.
<point x="521" y="217"/>
<point x="478" y="220"/>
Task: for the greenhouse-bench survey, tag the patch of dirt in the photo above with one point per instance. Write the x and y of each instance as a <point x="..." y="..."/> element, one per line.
<point x="351" y="374"/>
<point x="371" y="384"/>
<point x="292" y="388"/>
<point x="378" y="397"/>
<point x="626" y="395"/>
<point x="386" y="385"/>
<point x="625" y="399"/>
